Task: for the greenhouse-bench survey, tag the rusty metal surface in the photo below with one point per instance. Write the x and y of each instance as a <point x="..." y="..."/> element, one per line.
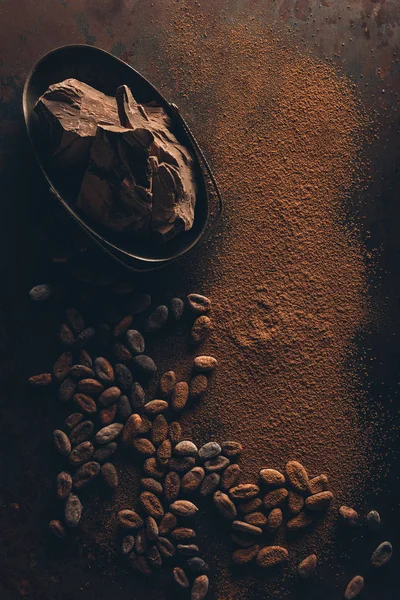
<point x="362" y="37"/>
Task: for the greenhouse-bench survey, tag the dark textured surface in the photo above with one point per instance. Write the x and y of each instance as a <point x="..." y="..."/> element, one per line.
<point x="362" y="37"/>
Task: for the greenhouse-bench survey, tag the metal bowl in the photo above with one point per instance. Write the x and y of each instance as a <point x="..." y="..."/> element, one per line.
<point x="106" y="73"/>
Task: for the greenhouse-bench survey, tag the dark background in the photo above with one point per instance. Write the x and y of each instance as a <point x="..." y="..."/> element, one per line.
<point x="362" y="38"/>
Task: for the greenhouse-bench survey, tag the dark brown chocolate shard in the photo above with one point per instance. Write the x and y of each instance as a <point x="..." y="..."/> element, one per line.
<point x="70" y="112"/>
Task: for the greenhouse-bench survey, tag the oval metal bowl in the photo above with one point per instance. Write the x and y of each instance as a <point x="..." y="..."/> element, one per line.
<point x="106" y="73"/>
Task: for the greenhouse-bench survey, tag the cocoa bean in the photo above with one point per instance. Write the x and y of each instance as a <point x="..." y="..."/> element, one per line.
<point x="81" y="453"/>
<point x="319" y="501"/>
<point x="85" y="337"/>
<point x="123" y="378"/>
<point x="84" y="358"/>
<point x="200" y="588"/>
<point x="274" y="520"/>
<point x="230" y="477"/>
<point x="72" y="510"/>
<point x="244" y="491"/>
<point x="216" y="465"/>
<point x="104" y="453"/>
<point x="205" y="364"/>
<point x="144" y="447"/>
<point x="144" y="366"/>
<point x="151" y="505"/>
<point x="242" y="540"/>
<point x="185" y="448"/>
<point x="231" y="449"/>
<point x="373" y="520"/>
<point x="180" y="396"/>
<point x="224" y="505"/>
<point x="197" y="565"/>
<point x="110" y="475"/>
<point x="159" y="431"/>
<point x="245" y="555"/>
<point x="270" y="556"/>
<point x="155" y="407"/>
<point x="297" y="475"/>
<point x="201" y="329"/>
<point x="57" y="528"/>
<point x="157" y="319"/>
<point x="79" y="372"/>
<point x="122" y="326"/>
<point x="121" y="352"/>
<point x="41" y="293"/>
<point x="61" y="442"/>
<point x="180" y="578"/>
<point x="85" y="403"/>
<point x="86" y="474"/>
<point x="307" y="567"/>
<point x="295" y="502"/>
<point x="209" y="450"/>
<point x="109" y="396"/>
<point x="348" y="516"/>
<point x="192" y="480"/>
<point x="75" y="320"/>
<point x="66" y="336"/>
<point x="124" y="409"/>
<point x="152" y="468"/>
<point x="165" y="547"/>
<point x="188" y="549"/>
<point x="167" y="523"/>
<point x="250" y="506"/>
<point x="131" y="428"/>
<point x="354" y="587"/>
<point x="62" y="366"/>
<point x="275" y="498"/>
<point x="199" y="304"/>
<point x="272" y="478"/>
<point x="63" y="485"/>
<point x="107" y="415"/>
<point x="167" y="383"/>
<point x="135" y="341"/>
<point x="66" y="390"/>
<point x="154" y="557"/>
<point x="176" y="307"/>
<point x="152" y="485"/>
<point x="128" y="542"/>
<point x="174" y="432"/>
<point x="181" y="464"/>
<point x="164" y="452"/>
<point x="257" y="518"/>
<point x="183" y="534"/>
<point x="152" y="531"/>
<point x="42" y="380"/>
<point x="137" y="397"/>
<point x="198" y="386"/>
<point x="73" y="420"/>
<point x="104" y="370"/>
<point x="246" y="528"/>
<point x="81" y="432"/>
<point x="301" y="521"/>
<point x="183" y="508"/>
<point x="382" y="555"/>
<point x="90" y="386"/>
<point x="141" y="542"/>
<point x="172" y="485"/>
<point x="129" y="519"/>
<point x="109" y="433"/>
<point x="210" y="484"/>
<point x="318" y="484"/>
